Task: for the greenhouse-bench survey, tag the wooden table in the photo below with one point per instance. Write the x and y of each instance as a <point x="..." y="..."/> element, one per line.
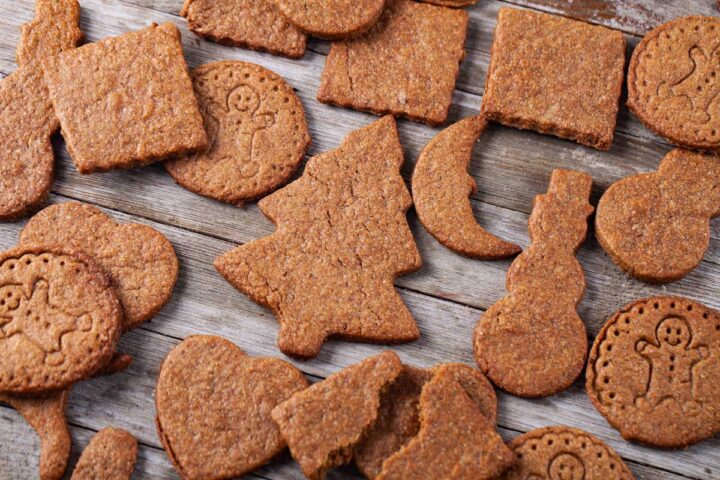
<point x="446" y="296"/>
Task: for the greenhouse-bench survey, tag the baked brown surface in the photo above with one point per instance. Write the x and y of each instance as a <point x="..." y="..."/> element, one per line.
<point x="55" y="28"/>
<point x="653" y="370"/>
<point x="213" y="407"/>
<point x="342" y="237"/>
<point x="673" y="83"/>
<point x="386" y="70"/>
<point x="555" y="75"/>
<point x="332" y="20"/>
<point x="656" y="226"/>
<point x="110" y="455"/>
<point x="139" y="259"/>
<point x="451" y="3"/>
<point x="254" y="24"/>
<point x="323" y="423"/>
<point x="257" y="133"/>
<point x="126" y="101"/>
<point x="441" y="188"/>
<point x="532" y="343"/>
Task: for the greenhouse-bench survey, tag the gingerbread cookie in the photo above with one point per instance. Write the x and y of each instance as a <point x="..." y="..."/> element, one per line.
<point x="332" y="20"/>
<point x="451" y="3"/>
<point x="126" y="101"/>
<point x="138" y="258"/>
<point x="257" y="131"/>
<point x="56" y="28"/>
<point x="532" y="343"/>
<point x="110" y="455"/>
<point x="386" y="70"/>
<point x="213" y="407"/>
<point x="59" y="319"/>
<point x="654" y="372"/>
<point x="323" y="423"/>
<point x="342" y="229"/>
<point x="441" y="187"/>
<point x="255" y="24"/>
<point x="564" y="453"/>
<point x="555" y="75"/>
<point x="673" y="83"/>
<point x="455" y="440"/>
<point x="656" y="226"/>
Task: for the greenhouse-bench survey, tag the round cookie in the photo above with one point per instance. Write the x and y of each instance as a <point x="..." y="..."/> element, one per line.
<point x="654" y="372"/>
<point x="60" y="319"/>
<point x="335" y="19"/>
<point x="564" y="453"/>
<point x="257" y="133"/>
<point x="674" y="82"/>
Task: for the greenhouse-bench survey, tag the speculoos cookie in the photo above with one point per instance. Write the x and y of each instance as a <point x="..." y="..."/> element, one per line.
<point x="332" y="20"/>
<point x="139" y="259"/>
<point x="532" y="343"/>
<point x="213" y="407"/>
<point x="441" y="187"/>
<point x="323" y="423"/>
<point x="674" y="82"/>
<point x="257" y="133"/>
<point x="55" y="28"/>
<point x="110" y="455"/>
<point x="342" y="238"/>
<point x="386" y="71"/>
<point x="654" y="372"/>
<point x="126" y="101"/>
<point x="555" y="75"/>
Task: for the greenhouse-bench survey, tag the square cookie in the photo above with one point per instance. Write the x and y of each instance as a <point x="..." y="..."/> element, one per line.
<point x="126" y="101"/>
<point x="405" y="66"/>
<point x="555" y="75"/>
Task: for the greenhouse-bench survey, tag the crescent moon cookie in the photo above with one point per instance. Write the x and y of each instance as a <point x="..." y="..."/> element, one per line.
<point x="441" y="187"/>
<point x="332" y="20"/>
<point x="654" y="372"/>
<point x="674" y="82"/>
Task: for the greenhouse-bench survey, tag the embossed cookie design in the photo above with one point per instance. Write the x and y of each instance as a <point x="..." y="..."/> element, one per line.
<point x="257" y="133"/>
<point x="111" y="455"/>
<point x="441" y="187"/>
<point x="59" y="319"/>
<point x="332" y="20"/>
<point x="656" y="226"/>
<point x="654" y="372"/>
<point x="532" y="343"/>
<point x="674" y="82"/>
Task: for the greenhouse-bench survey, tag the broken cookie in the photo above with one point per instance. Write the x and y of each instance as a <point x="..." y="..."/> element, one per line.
<point x="110" y="455"/>
<point x="332" y="20"/>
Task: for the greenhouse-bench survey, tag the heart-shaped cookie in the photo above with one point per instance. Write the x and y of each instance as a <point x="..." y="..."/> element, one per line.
<point x="213" y="407"/>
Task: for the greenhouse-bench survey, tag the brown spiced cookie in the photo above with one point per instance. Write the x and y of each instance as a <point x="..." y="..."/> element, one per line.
<point x="341" y="240"/>
<point x="674" y="82"/>
<point x="398" y="420"/>
<point x="455" y="440"/>
<point x="138" y="258"/>
<point x="56" y="28"/>
<point x="59" y="319"/>
<point x="564" y="453"/>
<point x="555" y="75"/>
<point x="255" y="24"/>
<point x="323" y="423"/>
<point x="332" y="20"/>
<point x="532" y="343"/>
<point x="110" y="455"/>
<point x="656" y="226"/>
<point x="257" y="133"/>
<point x="451" y="3"/>
<point x="126" y="101"/>
<point x="213" y="407"/>
<point x="441" y="187"/>
<point x="386" y="70"/>
<point x="654" y="372"/>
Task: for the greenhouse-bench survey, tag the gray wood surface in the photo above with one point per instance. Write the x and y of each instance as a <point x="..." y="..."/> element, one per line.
<point x="446" y="296"/>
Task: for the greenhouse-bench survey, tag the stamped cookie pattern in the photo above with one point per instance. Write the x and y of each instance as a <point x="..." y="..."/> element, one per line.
<point x="332" y="20"/>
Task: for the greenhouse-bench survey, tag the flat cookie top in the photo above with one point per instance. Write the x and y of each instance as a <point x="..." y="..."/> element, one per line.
<point x="386" y="70"/>
<point x="451" y="3"/>
<point x="111" y="454"/>
<point x="126" y="101"/>
<point x="213" y="407"/>
<point x="674" y="82"/>
<point x="323" y="423"/>
<point x="56" y="28"/>
<point x="138" y="258"/>
<point x="332" y="20"/>
<point x="255" y="24"/>
<point x="341" y="228"/>
<point x="653" y="372"/>
<point x="59" y="319"/>
<point x="564" y="453"/>
<point x="256" y="128"/>
<point x="555" y="75"/>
